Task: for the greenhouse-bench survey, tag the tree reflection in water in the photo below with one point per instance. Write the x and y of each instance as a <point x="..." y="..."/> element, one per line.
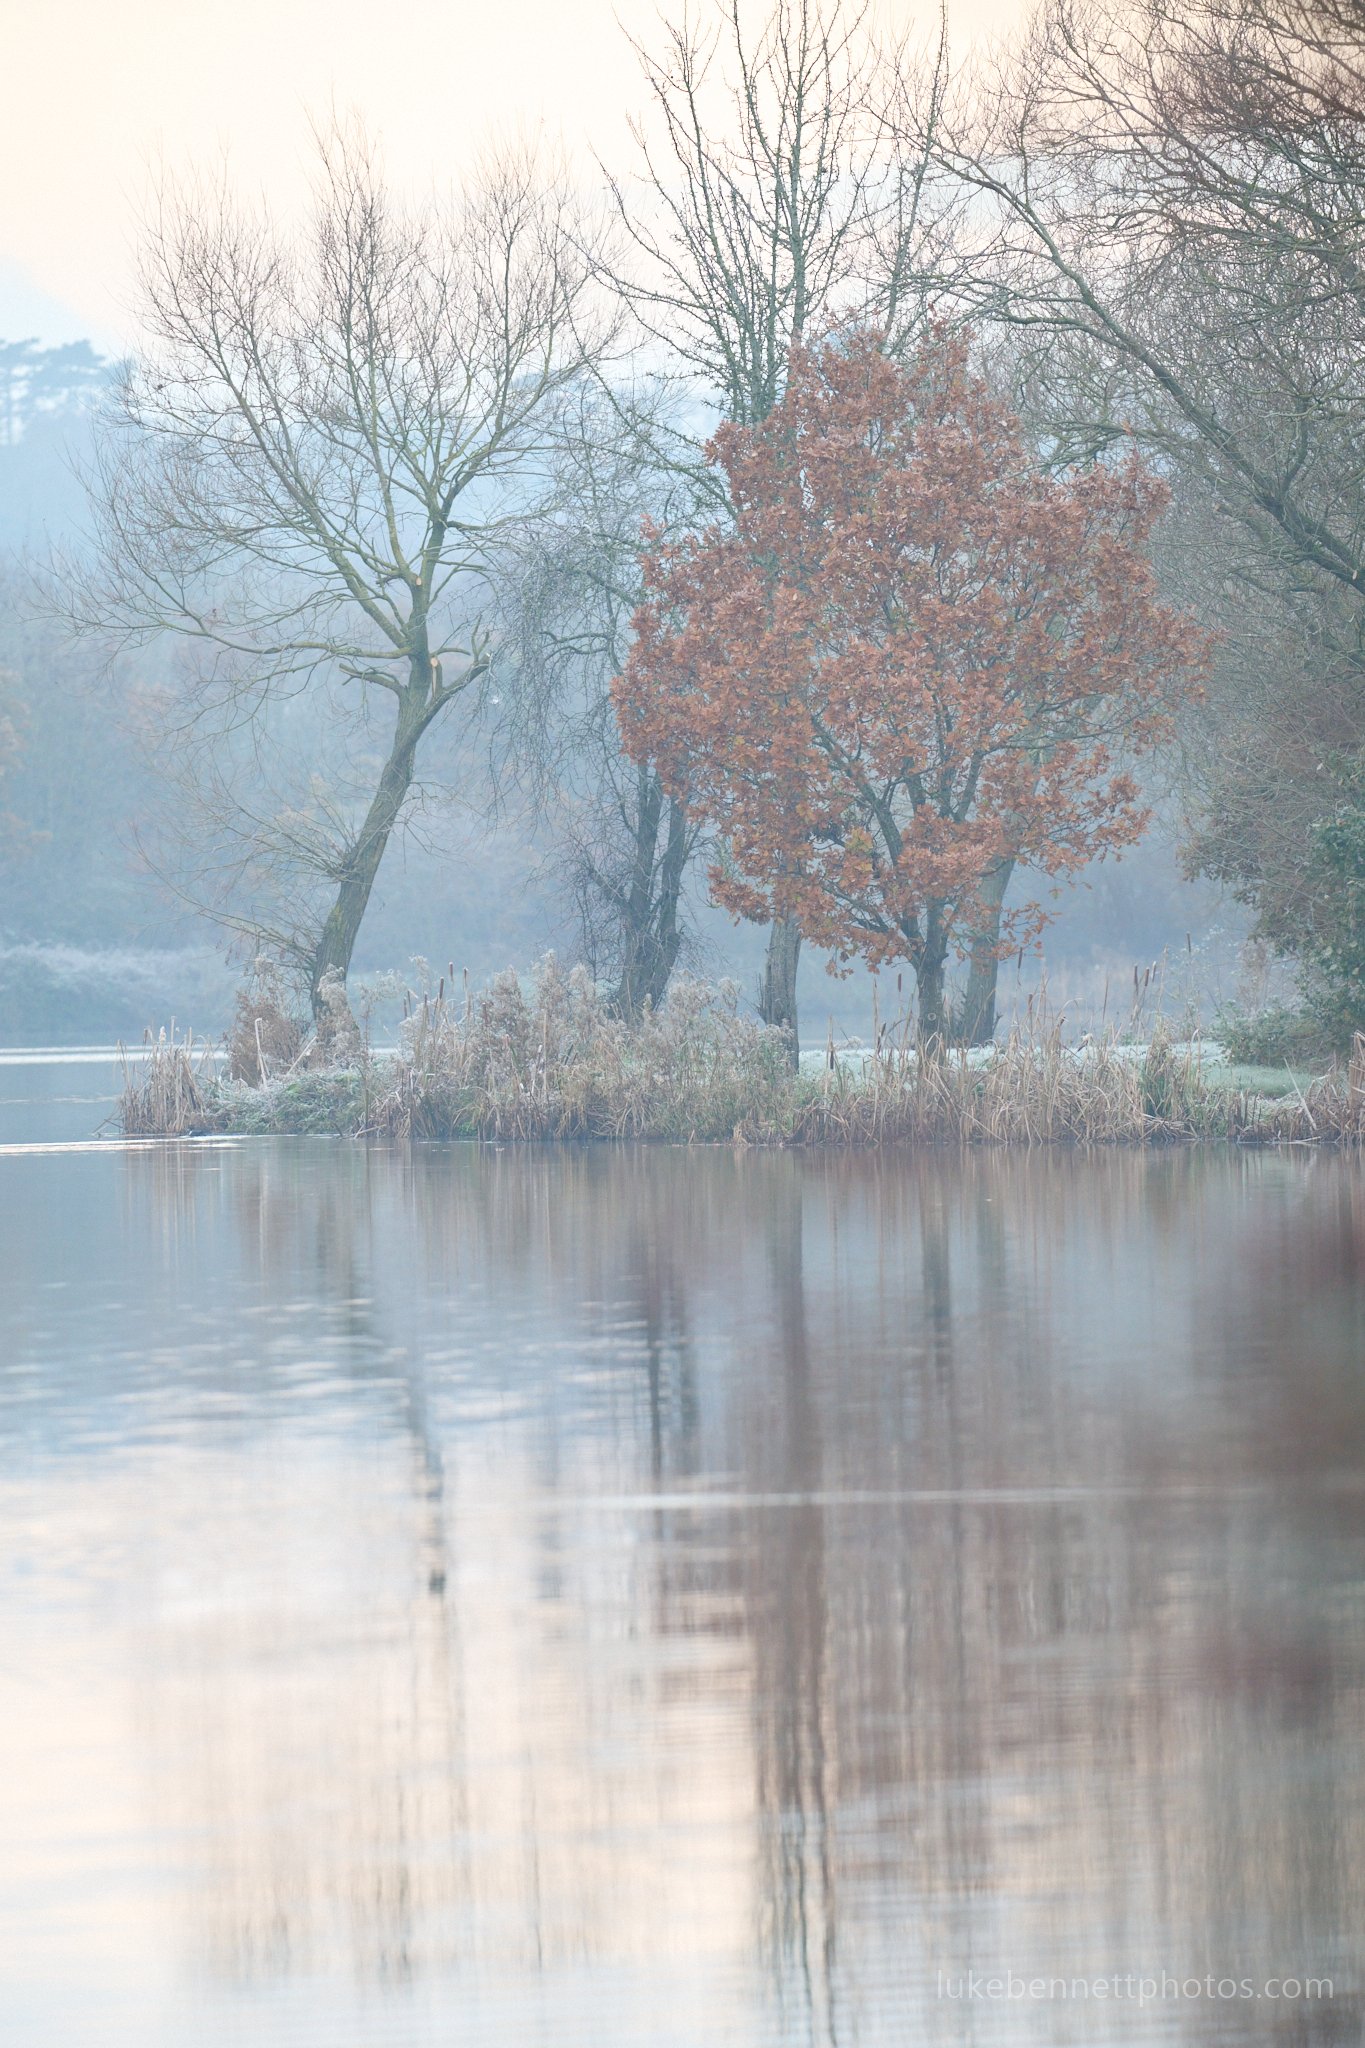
<point x="674" y="1595"/>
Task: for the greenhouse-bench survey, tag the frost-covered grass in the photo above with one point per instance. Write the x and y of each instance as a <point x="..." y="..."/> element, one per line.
<point x="1211" y="1060"/>
<point x="546" y="1060"/>
<point x="1271" y="1083"/>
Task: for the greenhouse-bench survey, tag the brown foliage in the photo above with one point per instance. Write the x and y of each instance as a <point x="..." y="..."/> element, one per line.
<point x="914" y="657"/>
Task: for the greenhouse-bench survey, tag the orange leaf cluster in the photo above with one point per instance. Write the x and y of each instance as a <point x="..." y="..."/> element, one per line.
<point x="914" y="654"/>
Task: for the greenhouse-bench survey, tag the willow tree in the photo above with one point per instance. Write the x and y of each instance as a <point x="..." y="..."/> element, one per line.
<point x="308" y="464"/>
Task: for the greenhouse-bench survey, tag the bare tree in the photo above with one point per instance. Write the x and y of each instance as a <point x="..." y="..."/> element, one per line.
<point x="311" y="462"/>
<point x="1182" y="189"/>
<point x="771" y="196"/>
<point x="11" y="715"/>
<point x="1267" y="755"/>
<point x="35" y="381"/>
<point x="568" y="586"/>
<point x="1166" y="208"/>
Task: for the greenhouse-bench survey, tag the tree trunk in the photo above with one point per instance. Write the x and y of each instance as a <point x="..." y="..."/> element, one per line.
<point x="651" y="937"/>
<point x="933" y="1017"/>
<point x="337" y="940"/>
<point x="929" y="966"/>
<point x="777" y="1004"/>
<point x="645" y="973"/>
<point x="976" y="1019"/>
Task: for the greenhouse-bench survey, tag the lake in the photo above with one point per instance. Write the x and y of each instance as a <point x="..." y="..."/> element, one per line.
<point x="469" y="1595"/>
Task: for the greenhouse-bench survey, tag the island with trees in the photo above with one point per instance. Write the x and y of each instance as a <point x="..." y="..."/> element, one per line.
<point x="855" y="514"/>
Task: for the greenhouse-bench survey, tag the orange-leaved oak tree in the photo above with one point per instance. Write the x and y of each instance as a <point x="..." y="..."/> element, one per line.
<point x="915" y="659"/>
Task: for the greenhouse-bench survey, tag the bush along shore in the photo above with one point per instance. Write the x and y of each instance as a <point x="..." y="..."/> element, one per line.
<point x="550" y="1062"/>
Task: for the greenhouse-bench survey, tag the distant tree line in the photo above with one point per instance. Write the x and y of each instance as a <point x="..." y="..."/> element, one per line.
<point x="423" y="485"/>
<point x="35" y="381"/>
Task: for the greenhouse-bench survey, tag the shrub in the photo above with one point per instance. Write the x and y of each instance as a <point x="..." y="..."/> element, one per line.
<point x="312" y="1105"/>
<point x="1274" y="1037"/>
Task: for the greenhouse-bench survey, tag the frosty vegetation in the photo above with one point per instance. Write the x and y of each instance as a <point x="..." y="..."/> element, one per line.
<point x="550" y="1059"/>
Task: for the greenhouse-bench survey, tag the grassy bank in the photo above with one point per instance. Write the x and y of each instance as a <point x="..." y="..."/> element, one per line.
<point x="550" y="1063"/>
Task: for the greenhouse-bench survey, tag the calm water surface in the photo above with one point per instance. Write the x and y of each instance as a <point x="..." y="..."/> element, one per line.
<point x="648" y="1596"/>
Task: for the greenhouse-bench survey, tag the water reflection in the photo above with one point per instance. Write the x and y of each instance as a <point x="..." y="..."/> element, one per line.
<point x="664" y="1596"/>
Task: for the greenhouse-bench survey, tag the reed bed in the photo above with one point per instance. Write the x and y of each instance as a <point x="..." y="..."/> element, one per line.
<point x="1032" y="1089"/>
<point x="551" y="1062"/>
<point x="518" y="1063"/>
<point x="168" y="1092"/>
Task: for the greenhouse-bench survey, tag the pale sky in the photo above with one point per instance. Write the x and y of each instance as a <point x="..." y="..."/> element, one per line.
<point x="98" y="96"/>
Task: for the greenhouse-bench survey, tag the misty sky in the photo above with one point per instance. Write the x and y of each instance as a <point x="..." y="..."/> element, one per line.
<point x="97" y="97"/>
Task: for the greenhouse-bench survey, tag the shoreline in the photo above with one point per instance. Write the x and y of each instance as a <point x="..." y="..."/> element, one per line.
<point x="547" y="1060"/>
<point x="1017" y="1098"/>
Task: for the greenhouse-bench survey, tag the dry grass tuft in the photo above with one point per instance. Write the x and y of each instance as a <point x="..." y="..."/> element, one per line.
<point x="166" y="1094"/>
<point x="1329" y="1112"/>
<point x="553" y="1063"/>
<point x="266" y="1039"/>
